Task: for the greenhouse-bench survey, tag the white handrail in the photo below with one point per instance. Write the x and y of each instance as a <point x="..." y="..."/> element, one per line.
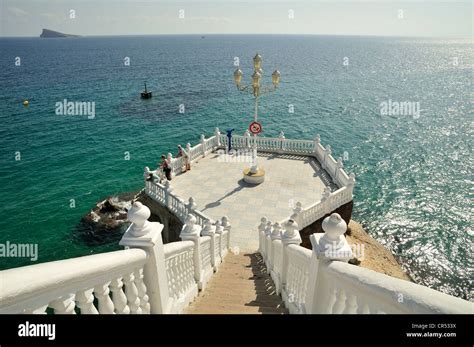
<point x="347" y="288"/>
<point x="67" y="284"/>
<point x="312" y="283"/>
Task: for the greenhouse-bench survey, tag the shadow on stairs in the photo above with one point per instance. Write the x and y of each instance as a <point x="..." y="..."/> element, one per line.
<point x="241" y="286"/>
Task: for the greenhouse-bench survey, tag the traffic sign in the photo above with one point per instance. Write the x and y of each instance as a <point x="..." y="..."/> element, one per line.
<point x="255" y="128"/>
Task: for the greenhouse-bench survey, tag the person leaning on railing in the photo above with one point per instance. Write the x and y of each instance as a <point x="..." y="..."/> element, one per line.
<point x="165" y="166"/>
<point x="185" y="155"/>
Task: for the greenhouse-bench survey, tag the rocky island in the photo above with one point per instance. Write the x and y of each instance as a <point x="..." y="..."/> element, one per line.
<point x="52" y="34"/>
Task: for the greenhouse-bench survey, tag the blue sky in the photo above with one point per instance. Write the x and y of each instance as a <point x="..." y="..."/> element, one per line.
<point x="148" y="17"/>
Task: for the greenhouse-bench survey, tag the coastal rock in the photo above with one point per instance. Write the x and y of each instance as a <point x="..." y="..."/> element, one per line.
<point x="375" y="256"/>
<point x="46" y="33"/>
<point x="110" y="213"/>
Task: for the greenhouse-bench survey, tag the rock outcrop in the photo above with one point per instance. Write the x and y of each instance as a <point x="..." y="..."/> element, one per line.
<point x="51" y="34"/>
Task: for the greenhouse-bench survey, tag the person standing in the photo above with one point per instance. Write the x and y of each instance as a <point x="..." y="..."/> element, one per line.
<point x="166" y="167"/>
<point x="185" y="155"/>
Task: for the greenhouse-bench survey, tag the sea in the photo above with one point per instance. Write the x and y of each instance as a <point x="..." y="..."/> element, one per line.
<point x="399" y="111"/>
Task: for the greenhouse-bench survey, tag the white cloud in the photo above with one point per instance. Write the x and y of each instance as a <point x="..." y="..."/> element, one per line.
<point x="18" y="11"/>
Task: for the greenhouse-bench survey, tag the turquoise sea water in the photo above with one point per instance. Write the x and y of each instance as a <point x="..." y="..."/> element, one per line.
<point x="414" y="181"/>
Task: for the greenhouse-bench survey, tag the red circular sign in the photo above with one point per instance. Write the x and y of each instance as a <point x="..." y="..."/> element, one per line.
<point x="255" y="128"/>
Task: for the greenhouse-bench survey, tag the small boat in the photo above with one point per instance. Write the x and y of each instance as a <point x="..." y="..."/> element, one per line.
<point x="145" y="94"/>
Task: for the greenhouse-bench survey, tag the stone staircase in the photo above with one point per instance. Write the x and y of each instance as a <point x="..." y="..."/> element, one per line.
<point x="241" y="286"/>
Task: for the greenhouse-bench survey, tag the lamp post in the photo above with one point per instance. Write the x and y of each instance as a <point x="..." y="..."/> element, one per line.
<point x="254" y="174"/>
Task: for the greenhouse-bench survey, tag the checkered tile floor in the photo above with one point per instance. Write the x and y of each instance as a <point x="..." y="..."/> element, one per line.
<point x="218" y="189"/>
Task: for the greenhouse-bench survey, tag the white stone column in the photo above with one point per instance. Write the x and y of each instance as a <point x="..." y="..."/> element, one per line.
<point x="247" y="138"/>
<point x="291" y="236"/>
<point x="261" y="238"/>
<point x="227" y="226"/>
<point x="203" y="145"/>
<point x="188" y="151"/>
<point x="316" y="142"/>
<point x="191" y="205"/>
<point x="297" y="212"/>
<point x="210" y="230"/>
<point x="352" y="182"/>
<point x="192" y="232"/>
<point x="168" y="190"/>
<point x="327" y="208"/>
<point x="339" y="166"/>
<point x="147" y="236"/>
<point x="327" y="153"/>
<point x="275" y="235"/>
<point x="268" y="246"/>
<point x="330" y="246"/>
<point x="217" y="134"/>
<point x="219" y="230"/>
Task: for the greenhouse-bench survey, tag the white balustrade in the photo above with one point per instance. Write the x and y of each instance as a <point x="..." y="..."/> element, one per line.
<point x="297" y="278"/>
<point x="321" y="280"/>
<point x="206" y="264"/>
<point x="180" y="270"/>
<point x="215" y="251"/>
<point x="69" y="285"/>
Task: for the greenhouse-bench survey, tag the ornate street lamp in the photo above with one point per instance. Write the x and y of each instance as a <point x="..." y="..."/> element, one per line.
<point x="254" y="174"/>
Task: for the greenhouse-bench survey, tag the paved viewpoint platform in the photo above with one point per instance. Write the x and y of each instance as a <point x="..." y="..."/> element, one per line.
<point x="218" y="189"/>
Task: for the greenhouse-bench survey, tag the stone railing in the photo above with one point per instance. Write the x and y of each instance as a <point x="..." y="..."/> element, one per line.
<point x="321" y="281"/>
<point x="281" y="145"/>
<point x="162" y="193"/>
<point x="146" y="277"/>
<point x="66" y="286"/>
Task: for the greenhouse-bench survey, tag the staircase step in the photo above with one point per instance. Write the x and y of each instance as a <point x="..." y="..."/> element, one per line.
<point x="241" y="286"/>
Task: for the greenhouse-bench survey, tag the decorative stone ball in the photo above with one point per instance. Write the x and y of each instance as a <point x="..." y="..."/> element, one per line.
<point x="291" y="228"/>
<point x="138" y="214"/>
<point x="334" y="226"/>
<point x="190" y="220"/>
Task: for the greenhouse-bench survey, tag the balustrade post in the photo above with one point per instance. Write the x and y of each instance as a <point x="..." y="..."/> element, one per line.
<point x="316" y="142"/>
<point x="188" y="151"/>
<point x="352" y="182"/>
<point x="210" y="230"/>
<point x="291" y="236"/>
<point x="261" y="233"/>
<point x="275" y="235"/>
<point x="247" y="138"/>
<point x="227" y="226"/>
<point x="339" y="166"/>
<point x="297" y="213"/>
<point x="192" y="232"/>
<point x="330" y="246"/>
<point x="217" y="134"/>
<point x="282" y="141"/>
<point x="268" y="246"/>
<point x="191" y="205"/>
<point x="219" y="230"/>
<point x="327" y="153"/>
<point x="203" y="145"/>
<point x="168" y="190"/>
<point x="147" y="236"/>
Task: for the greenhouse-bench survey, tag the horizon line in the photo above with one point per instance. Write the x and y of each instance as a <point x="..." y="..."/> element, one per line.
<point x="244" y="34"/>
